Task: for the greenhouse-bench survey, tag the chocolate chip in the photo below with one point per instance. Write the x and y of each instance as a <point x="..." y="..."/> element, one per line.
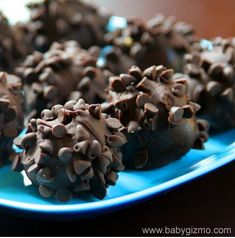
<point x="176" y="114"/>
<point x="95" y="111"/>
<point x="150" y="108"/>
<point x="117" y="84"/>
<point x="179" y="90"/>
<point x="80" y="166"/>
<point x="65" y="154"/>
<point x="81" y="133"/>
<point x="136" y="72"/>
<point x="69" y="170"/>
<point x="29" y="140"/>
<point x="45" y="191"/>
<point x="142" y="99"/>
<point x="113" y="123"/>
<point x="44" y="175"/>
<point x="59" y="131"/>
<point x="111" y="178"/>
<point x="115" y="141"/>
<point x="10" y="114"/>
<point x="81" y="147"/>
<point x="188" y="111"/>
<point x="94" y="150"/>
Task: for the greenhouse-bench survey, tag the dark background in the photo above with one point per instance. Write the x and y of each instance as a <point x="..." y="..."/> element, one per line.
<point x="205" y="202"/>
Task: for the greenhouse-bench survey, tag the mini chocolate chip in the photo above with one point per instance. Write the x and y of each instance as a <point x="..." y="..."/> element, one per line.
<point x="199" y="144"/>
<point x="47" y="115"/>
<point x="95" y="111"/>
<point x="127" y="79"/>
<point x="81" y="147"/>
<point x="202" y="125"/>
<point x="116" y="84"/>
<point x="69" y="170"/>
<point x="80" y="166"/>
<point x="59" y="130"/>
<point x="44" y="175"/>
<point x="113" y="123"/>
<point x="176" y="114"/>
<point x="115" y="141"/>
<point x="111" y="178"/>
<point x="136" y="72"/>
<point x="150" y="108"/>
<point x="65" y="154"/>
<point x="29" y="140"/>
<point x="88" y="174"/>
<point x="150" y="72"/>
<point x="45" y="191"/>
<point x="166" y="75"/>
<point x="70" y="104"/>
<point x="94" y="149"/>
<point x="81" y="133"/>
<point x="79" y="105"/>
<point x="142" y="99"/>
<point x="196" y="107"/>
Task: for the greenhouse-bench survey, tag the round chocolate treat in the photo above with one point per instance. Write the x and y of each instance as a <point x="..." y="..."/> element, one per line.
<point x="10" y="50"/>
<point x="60" y="20"/>
<point x="73" y="149"/>
<point x="158" y="116"/>
<point x="212" y="81"/>
<point x="50" y="78"/>
<point x="158" y="41"/>
<point x="11" y="116"/>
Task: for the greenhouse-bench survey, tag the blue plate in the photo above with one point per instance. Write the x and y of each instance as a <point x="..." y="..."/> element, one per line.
<point x="132" y="186"/>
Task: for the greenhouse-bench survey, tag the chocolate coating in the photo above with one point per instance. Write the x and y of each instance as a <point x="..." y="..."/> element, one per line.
<point x="160" y="119"/>
<point x="73" y="149"/>
<point x="61" y="20"/>
<point x="212" y="81"/>
<point x="11" y="115"/>
<point x="52" y="77"/>
<point x="160" y="40"/>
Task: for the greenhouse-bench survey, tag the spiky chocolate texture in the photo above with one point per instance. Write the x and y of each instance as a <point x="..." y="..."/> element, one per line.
<point x="61" y="20"/>
<point x="11" y="115"/>
<point x="50" y="78"/>
<point x="212" y="81"/>
<point x="160" y="40"/>
<point x="73" y="149"/>
<point x="160" y="119"/>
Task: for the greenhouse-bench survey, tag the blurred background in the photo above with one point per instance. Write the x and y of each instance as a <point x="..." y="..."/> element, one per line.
<point x="209" y="17"/>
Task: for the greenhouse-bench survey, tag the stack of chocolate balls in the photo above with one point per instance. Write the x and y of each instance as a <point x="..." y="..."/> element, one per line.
<point x="96" y="102"/>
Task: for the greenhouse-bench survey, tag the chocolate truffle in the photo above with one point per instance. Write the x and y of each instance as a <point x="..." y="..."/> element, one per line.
<point x="158" y="41"/>
<point x="50" y="78"/>
<point x="60" y="20"/>
<point x="212" y="81"/>
<point x="10" y="51"/>
<point x="72" y="149"/>
<point x="11" y="116"/>
<point x="160" y="119"/>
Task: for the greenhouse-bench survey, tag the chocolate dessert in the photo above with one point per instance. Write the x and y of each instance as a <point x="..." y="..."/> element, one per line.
<point x="72" y="149"/>
<point x="11" y="115"/>
<point x="160" y="119"/>
<point x="212" y="81"/>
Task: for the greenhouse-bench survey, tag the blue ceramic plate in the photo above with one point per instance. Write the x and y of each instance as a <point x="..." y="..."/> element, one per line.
<point x="132" y="186"/>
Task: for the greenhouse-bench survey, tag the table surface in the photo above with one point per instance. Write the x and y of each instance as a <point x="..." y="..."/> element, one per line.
<point x="205" y="202"/>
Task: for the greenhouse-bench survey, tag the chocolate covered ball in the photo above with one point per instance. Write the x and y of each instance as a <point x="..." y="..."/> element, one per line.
<point x="212" y="81"/>
<point x="159" y="117"/>
<point x="11" y="116"/>
<point x="160" y="40"/>
<point x="72" y="149"/>
<point x="52" y="77"/>
<point x="10" y="49"/>
<point x="60" y="20"/>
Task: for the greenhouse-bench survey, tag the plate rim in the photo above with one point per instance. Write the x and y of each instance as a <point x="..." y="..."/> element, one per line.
<point x="226" y="157"/>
